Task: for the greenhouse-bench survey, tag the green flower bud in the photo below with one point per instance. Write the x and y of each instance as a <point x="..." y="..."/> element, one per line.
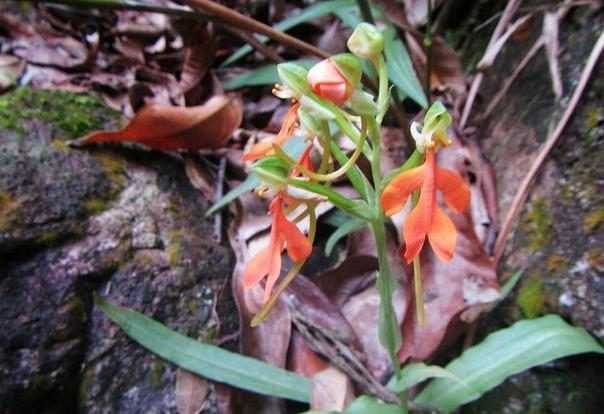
<point x="363" y="103"/>
<point x="293" y="77"/>
<point x="350" y="67"/>
<point x="366" y="41"/>
<point x="272" y="172"/>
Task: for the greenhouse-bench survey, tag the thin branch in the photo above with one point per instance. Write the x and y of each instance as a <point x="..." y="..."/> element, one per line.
<point x="508" y="82"/>
<point x="508" y="12"/>
<point x="247" y="23"/>
<point x="522" y="192"/>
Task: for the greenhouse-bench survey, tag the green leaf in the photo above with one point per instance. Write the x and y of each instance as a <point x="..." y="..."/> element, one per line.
<point x="418" y="372"/>
<point x="360" y="210"/>
<point x="312" y="12"/>
<point x="343" y="230"/>
<point x="509" y="284"/>
<point x="248" y="185"/>
<point x="364" y="405"/>
<point x="400" y="68"/>
<point x="264" y="75"/>
<point x="208" y="360"/>
<point x="504" y="353"/>
<point x="294" y="148"/>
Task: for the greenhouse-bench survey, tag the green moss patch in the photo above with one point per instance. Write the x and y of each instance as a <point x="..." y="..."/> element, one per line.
<point x="68" y="113"/>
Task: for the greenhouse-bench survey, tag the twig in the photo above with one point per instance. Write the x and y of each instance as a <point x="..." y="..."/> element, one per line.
<point x="184" y="12"/>
<point x="247" y="23"/>
<point x="508" y="82"/>
<point x="218" y="196"/>
<point x="522" y="192"/>
<point x="428" y="48"/>
<point x="508" y="12"/>
<point x="254" y="42"/>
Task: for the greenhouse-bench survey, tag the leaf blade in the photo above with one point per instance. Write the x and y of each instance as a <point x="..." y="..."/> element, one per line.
<point x="207" y="360"/>
<point x="504" y="353"/>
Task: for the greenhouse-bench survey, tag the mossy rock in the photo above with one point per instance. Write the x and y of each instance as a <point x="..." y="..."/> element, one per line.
<point x="48" y="190"/>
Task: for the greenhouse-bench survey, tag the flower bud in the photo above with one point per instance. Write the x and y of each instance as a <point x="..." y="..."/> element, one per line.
<point x="293" y="78"/>
<point x="362" y="103"/>
<point x="366" y="41"/>
<point x="335" y="79"/>
<point x="272" y="172"/>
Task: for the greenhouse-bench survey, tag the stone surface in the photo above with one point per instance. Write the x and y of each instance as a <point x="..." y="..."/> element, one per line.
<point x="122" y="223"/>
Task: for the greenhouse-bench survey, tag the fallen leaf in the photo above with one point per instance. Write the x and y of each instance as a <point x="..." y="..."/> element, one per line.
<point x="331" y="390"/>
<point x="197" y="58"/>
<point x="302" y="359"/>
<point x="166" y="127"/>
<point x="11" y="69"/>
<point x="552" y="47"/>
<point x="190" y="392"/>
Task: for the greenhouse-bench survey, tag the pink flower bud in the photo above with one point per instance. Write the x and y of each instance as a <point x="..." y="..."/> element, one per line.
<point x="328" y="83"/>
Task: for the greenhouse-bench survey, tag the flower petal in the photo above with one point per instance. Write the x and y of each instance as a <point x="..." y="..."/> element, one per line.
<point x="442" y="235"/>
<point x="274" y="271"/>
<point x="414" y="231"/>
<point x="298" y="246"/>
<point x="334" y="92"/>
<point x="456" y="192"/>
<point x="257" y="268"/>
<point x="397" y="192"/>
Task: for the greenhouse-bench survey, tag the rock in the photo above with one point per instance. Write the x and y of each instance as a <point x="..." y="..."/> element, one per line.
<point x="123" y="223"/>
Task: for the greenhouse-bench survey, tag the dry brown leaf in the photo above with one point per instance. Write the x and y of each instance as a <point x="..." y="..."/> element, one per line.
<point x="190" y="392"/>
<point x="552" y="47"/>
<point x="197" y="58"/>
<point x="302" y="359"/>
<point x="11" y="69"/>
<point x="331" y="390"/>
<point x="165" y="127"/>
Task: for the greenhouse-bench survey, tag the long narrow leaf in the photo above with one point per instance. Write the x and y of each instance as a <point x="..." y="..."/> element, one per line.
<point x="342" y="231"/>
<point x="418" y="372"/>
<point x="400" y="68"/>
<point x="207" y="360"/>
<point x="312" y="12"/>
<point x="264" y="75"/>
<point x="504" y="353"/>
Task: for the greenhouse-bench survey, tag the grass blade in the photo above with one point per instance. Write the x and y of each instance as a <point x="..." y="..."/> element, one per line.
<point x="312" y="12"/>
<point x="504" y="353"/>
<point x="207" y="360"/>
<point x="264" y="75"/>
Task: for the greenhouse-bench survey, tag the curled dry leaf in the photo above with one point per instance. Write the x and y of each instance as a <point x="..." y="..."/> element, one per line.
<point x="190" y="392"/>
<point x="166" y="127"/>
<point x="11" y="69"/>
<point x="332" y="390"/>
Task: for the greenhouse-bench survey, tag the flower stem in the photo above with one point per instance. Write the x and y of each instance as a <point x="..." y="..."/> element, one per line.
<point x="419" y="296"/>
<point x="293" y="272"/>
<point x="428" y="48"/>
<point x="333" y="175"/>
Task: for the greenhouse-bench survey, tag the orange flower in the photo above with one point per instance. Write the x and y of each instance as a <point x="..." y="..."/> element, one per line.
<point x="328" y="83"/>
<point x="288" y="127"/>
<point x="268" y="260"/>
<point x="427" y="218"/>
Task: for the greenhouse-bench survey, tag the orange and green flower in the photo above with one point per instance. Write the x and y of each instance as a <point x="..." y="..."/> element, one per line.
<point x="427" y="219"/>
<point x="267" y="262"/>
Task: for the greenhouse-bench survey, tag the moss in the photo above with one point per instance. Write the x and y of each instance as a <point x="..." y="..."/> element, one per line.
<point x="595" y="258"/>
<point x="50" y="238"/>
<point x="8" y="212"/>
<point x="95" y="206"/>
<point x="156" y="374"/>
<point x="68" y="114"/>
<point x="36" y="381"/>
<point x="193" y="306"/>
<point x="593" y="220"/>
<point x="76" y="307"/>
<point x="531" y="297"/>
<point x="538" y="221"/>
<point x="85" y="382"/>
<point x="556" y="262"/>
<point x="593" y="117"/>
<point x="115" y="170"/>
<point x="174" y="247"/>
<point x="60" y="145"/>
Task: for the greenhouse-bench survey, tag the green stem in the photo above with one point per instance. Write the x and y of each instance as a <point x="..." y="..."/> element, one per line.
<point x="419" y="295"/>
<point x="428" y="48"/>
<point x="383" y="99"/>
